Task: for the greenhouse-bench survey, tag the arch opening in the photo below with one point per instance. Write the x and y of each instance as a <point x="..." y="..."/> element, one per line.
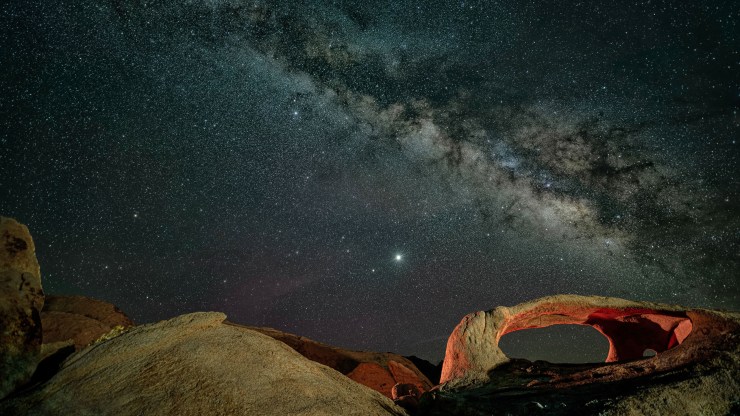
<point x="628" y="332"/>
<point x="565" y="343"/>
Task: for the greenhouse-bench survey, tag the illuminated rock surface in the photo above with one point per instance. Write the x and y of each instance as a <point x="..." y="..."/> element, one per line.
<point x="21" y="300"/>
<point x="196" y="364"/>
<point x="696" y="369"/>
<point x="201" y="364"/>
<point x="378" y="370"/>
<point x="84" y="320"/>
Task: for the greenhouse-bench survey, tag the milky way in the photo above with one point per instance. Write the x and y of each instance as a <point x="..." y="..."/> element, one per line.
<point x="366" y="173"/>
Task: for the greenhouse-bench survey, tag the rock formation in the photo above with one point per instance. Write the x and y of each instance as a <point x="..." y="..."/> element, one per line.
<point x="21" y="300"/>
<point x="200" y="364"/>
<point x="79" y="318"/>
<point x="377" y="370"/>
<point x="194" y="365"/>
<point x="431" y="371"/>
<point x="697" y="365"/>
<point x="84" y="320"/>
<point x="407" y="396"/>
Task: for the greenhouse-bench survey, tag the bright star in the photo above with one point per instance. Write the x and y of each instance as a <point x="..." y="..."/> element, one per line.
<point x="399" y="257"/>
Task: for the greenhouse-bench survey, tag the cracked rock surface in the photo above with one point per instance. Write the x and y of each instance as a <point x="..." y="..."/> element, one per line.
<point x="21" y="300"/>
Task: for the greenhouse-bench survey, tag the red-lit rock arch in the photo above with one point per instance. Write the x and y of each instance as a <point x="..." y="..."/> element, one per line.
<point x="630" y="331"/>
<point x="630" y="327"/>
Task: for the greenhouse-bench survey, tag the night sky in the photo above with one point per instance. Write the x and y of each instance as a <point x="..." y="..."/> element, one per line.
<point x="365" y="173"/>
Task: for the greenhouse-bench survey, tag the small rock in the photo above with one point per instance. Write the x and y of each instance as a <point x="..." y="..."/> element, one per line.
<point x="402" y="390"/>
<point x="406" y="396"/>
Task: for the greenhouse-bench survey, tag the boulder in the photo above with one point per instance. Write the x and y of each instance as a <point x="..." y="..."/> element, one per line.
<point x="403" y="390"/>
<point x="196" y="364"/>
<point x="407" y="396"/>
<point x="696" y="368"/>
<point x="21" y="300"/>
<point x="378" y="370"/>
<point x="79" y="318"/>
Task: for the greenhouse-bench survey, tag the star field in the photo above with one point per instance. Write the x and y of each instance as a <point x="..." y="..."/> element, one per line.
<point x="366" y="173"/>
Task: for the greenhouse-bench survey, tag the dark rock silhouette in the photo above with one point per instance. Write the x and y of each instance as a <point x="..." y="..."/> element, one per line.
<point x="433" y="372"/>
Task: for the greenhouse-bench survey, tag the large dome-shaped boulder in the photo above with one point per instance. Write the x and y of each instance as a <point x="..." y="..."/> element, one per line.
<point x="21" y="300"/>
<point x="196" y="364"/>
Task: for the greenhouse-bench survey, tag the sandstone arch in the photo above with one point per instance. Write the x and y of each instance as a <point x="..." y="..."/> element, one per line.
<point x="630" y="327"/>
<point x="630" y="331"/>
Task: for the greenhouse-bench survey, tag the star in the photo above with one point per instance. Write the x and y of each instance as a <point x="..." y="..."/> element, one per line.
<point x="291" y="144"/>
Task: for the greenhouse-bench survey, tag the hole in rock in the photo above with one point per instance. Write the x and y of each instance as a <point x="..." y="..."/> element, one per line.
<point x="557" y="344"/>
<point x="649" y="353"/>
